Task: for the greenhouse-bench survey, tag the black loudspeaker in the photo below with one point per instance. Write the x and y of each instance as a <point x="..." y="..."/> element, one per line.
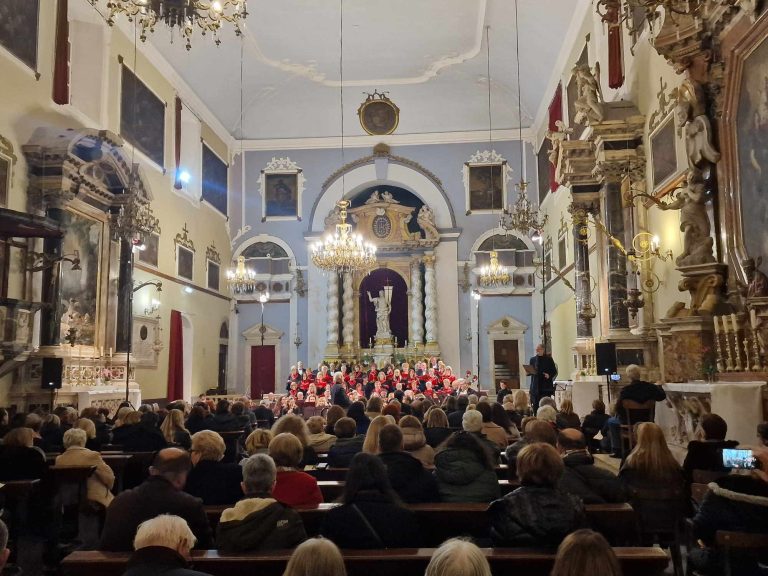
<point x="51" y="374"/>
<point x="605" y="355"/>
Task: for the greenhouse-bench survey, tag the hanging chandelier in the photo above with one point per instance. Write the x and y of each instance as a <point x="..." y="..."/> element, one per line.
<point x="344" y="251"/>
<point x="185" y="15"/>
<point x="135" y="222"/>
<point x="521" y="217"/>
<point x="241" y="280"/>
<point x="611" y="11"/>
<point x="494" y="274"/>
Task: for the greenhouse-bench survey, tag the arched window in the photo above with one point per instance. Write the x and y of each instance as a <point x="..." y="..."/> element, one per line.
<point x="513" y="253"/>
<point x="224" y="331"/>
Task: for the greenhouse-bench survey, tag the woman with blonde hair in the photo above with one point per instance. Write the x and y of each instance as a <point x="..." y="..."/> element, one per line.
<point x="584" y="553"/>
<point x="371" y="444"/>
<point x="650" y="460"/>
<point x="76" y="453"/>
<point x="293" y="487"/>
<point x="318" y="439"/>
<point x="566" y="417"/>
<point x="458" y="557"/>
<point x="437" y="429"/>
<point x="415" y="443"/>
<point x="316" y="557"/>
<point x="258" y="442"/>
<point x="296" y="425"/>
<point x="174" y="431"/>
<point x="87" y="425"/>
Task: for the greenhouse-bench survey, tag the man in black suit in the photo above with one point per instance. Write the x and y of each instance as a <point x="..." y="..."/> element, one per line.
<point x="339" y="392"/>
<point x="543" y="380"/>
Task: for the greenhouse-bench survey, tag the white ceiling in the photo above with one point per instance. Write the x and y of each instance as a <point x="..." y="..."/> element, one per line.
<point x="429" y="54"/>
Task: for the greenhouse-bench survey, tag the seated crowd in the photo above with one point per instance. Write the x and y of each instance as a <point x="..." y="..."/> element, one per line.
<point x="397" y="446"/>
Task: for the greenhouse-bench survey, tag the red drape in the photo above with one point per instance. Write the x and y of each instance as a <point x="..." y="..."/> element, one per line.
<point x="555" y="115"/>
<point x="176" y="359"/>
<point x="61" y="54"/>
<point x="615" y="52"/>
<point x="177" y="142"/>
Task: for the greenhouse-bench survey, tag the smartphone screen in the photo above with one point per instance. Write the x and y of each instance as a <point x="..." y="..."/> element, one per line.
<point x="738" y="459"/>
<point x="615" y="377"/>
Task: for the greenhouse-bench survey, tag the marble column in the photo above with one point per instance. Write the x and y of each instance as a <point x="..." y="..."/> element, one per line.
<point x="417" y="303"/>
<point x="332" y="343"/>
<point x="430" y="299"/>
<point x="618" y="316"/>
<point x="580" y="222"/>
<point x="348" y="312"/>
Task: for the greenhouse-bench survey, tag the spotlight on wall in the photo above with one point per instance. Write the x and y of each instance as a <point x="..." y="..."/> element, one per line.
<point x="188" y="289"/>
<point x="185" y="177"/>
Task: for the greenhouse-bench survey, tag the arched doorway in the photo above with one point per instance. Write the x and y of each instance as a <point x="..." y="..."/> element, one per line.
<point x="398" y="317"/>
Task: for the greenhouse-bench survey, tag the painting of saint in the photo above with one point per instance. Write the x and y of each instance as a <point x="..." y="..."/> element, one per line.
<point x="486" y="187"/>
<point x="19" y="29"/>
<point x="142" y="117"/>
<point x="664" y="153"/>
<point x="149" y="254"/>
<point x="185" y="262"/>
<point x="282" y="199"/>
<point x="752" y="149"/>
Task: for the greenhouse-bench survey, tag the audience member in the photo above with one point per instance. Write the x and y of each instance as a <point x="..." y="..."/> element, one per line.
<point x="535" y="431"/>
<point x="547" y="401"/>
<point x="242" y="416"/>
<point x="454" y="417"/>
<point x="436" y="430"/>
<point x="594" y="422"/>
<point x="347" y="443"/>
<point x="373" y="407"/>
<point x="3" y="422"/>
<point x="537" y="514"/>
<point x="316" y="557"/>
<point x="263" y="415"/>
<point x="319" y="440"/>
<point x="213" y="481"/>
<point x="75" y="453"/>
<point x="492" y="431"/>
<point x="87" y="426"/>
<point x="585" y="553"/>
<point x="521" y="407"/>
<point x="707" y="454"/>
<point x="465" y="470"/>
<point x="472" y="422"/>
<point x="566" y="417"/>
<point x="199" y="419"/>
<point x="258" y="442"/>
<point x="371" y="515"/>
<point x="51" y="433"/>
<point x="339" y="392"/>
<point x="581" y="477"/>
<point x="162" y="493"/>
<point x="144" y="436"/>
<point x="162" y="546"/>
<point x="503" y="392"/>
<point x="19" y="459"/>
<point x="223" y="420"/>
<point x="356" y="411"/>
<point x="296" y="425"/>
<point x="259" y="522"/>
<point x="500" y="417"/>
<point x="371" y="443"/>
<point x="547" y="414"/>
<point x="415" y="443"/>
<point x="406" y="473"/>
<point x="173" y="430"/>
<point x="294" y="488"/>
<point x="394" y="410"/>
<point x="332" y="416"/>
<point x="458" y="557"/>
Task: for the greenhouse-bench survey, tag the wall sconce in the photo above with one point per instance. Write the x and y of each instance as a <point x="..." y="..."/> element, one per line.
<point x="152" y="307"/>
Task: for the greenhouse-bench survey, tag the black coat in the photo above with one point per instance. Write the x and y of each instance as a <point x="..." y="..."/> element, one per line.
<point x="139" y="438"/>
<point x="343" y="450"/>
<point x="436" y="436"/>
<point x="540" y="384"/>
<point x="593" y="423"/>
<point x="409" y="478"/>
<point x="706" y="455"/>
<point x="21" y="463"/>
<point x="339" y="396"/>
<point x="592" y="484"/>
<point x="159" y="561"/>
<point x="264" y="413"/>
<point x="227" y="422"/>
<point x="215" y="483"/>
<point x="638" y="391"/>
<point x="535" y="517"/>
<point x="455" y="417"/>
<point x="195" y="424"/>
<point x="153" y="497"/>
<point x="395" y="526"/>
<point x="259" y="524"/>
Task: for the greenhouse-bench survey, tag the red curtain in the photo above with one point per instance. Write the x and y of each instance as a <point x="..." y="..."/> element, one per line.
<point x="615" y="52"/>
<point x="61" y="55"/>
<point x="555" y="115"/>
<point x="177" y="142"/>
<point x="176" y="358"/>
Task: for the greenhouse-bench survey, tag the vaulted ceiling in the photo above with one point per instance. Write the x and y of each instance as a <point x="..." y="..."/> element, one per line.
<point x="430" y="55"/>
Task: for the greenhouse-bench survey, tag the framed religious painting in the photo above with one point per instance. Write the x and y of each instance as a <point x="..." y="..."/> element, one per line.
<point x="378" y="114"/>
<point x="282" y="184"/>
<point x="185" y="254"/>
<point x="486" y="176"/>
<point x="149" y="255"/>
<point x="19" y="27"/>
<point x="664" y="158"/>
<point x="7" y="161"/>
<point x="142" y="117"/>
<point x="744" y="131"/>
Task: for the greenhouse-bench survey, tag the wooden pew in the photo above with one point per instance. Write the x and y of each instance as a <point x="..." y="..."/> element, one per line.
<point x="332" y="489"/>
<point x="442" y="520"/>
<point x="340" y="474"/>
<point x="403" y="562"/>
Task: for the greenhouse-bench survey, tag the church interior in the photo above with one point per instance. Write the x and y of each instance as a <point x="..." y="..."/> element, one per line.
<point x="199" y="211"/>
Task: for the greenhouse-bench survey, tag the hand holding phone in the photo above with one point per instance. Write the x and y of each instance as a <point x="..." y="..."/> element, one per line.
<point x="740" y="459"/>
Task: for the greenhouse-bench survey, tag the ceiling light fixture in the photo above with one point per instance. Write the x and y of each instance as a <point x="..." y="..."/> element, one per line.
<point x="241" y="279"/>
<point x="521" y="217"/>
<point x="608" y="9"/>
<point x="343" y="251"/>
<point x="184" y="15"/>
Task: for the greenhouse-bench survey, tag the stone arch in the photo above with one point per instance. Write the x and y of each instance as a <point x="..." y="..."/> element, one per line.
<point x="264" y="238"/>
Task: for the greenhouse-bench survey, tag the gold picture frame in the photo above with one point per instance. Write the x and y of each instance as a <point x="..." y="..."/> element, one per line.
<point x="378" y="115"/>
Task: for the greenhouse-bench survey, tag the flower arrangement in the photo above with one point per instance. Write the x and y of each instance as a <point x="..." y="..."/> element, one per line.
<point x="106" y="374"/>
<point x="708" y="363"/>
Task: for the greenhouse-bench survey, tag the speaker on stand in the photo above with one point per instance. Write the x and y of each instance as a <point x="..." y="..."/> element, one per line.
<point x="50" y="376"/>
<point x="605" y="359"/>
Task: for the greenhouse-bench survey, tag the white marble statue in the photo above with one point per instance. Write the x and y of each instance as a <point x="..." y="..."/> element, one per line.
<point x="383" y="308"/>
<point x="695" y="126"/>
<point x="589" y="103"/>
<point x="426" y="219"/>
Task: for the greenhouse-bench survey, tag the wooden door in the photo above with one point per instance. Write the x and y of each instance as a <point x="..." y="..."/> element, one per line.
<point x="222" y="382"/>
<point x="506" y="363"/>
<point x="262" y="370"/>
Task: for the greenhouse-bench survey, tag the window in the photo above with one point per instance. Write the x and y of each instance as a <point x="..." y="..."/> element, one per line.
<point x="543" y="167"/>
<point x="214" y="180"/>
<point x="562" y="253"/>
<point x="142" y="117"/>
<point x="19" y="29"/>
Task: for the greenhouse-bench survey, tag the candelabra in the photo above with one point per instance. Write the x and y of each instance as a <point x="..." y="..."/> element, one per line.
<point x="738" y="366"/>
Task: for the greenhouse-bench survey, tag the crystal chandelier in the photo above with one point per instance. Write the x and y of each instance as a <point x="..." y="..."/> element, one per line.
<point x="344" y="251"/>
<point x="135" y="222"/>
<point x="241" y="280"/>
<point x="494" y="274"/>
<point x="186" y="15"/>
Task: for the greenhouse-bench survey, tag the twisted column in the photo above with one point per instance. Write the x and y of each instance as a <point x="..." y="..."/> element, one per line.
<point x="417" y="305"/>
<point x="333" y="309"/>
<point x="430" y="300"/>
<point x="347" y="311"/>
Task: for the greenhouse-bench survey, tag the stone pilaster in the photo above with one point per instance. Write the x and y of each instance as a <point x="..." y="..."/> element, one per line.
<point x="430" y="300"/>
<point x="332" y="343"/>
<point x="416" y="302"/>
<point x="348" y="313"/>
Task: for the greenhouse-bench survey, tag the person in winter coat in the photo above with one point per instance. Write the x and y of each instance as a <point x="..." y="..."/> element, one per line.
<point x="536" y="515"/>
<point x="581" y="477"/>
<point x="223" y="420"/>
<point x="371" y="515"/>
<point x="293" y="487"/>
<point x="415" y="443"/>
<point x="210" y="479"/>
<point x="736" y="503"/>
<point x="319" y="440"/>
<point x="436" y="430"/>
<point x="259" y="522"/>
<point x="347" y="443"/>
<point x="492" y="431"/>
<point x="75" y="453"/>
<point x="594" y="422"/>
<point x="407" y="475"/>
<point x="162" y="547"/>
<point x="707" y="454"/>
<point x="535" y="431"/>
<point x="465" y="471"/>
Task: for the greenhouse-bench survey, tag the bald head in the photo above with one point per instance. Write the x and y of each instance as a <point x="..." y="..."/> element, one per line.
<point x="173" y="464"/>
<point x="571" y="439"/>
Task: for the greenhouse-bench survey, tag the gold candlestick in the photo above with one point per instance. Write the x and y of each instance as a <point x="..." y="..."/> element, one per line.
<point x="729" y="360"/>
<point x="747" y="355"/>
<point x="719" y="351"/>
<point x="757" y="363"/>
<point x="738" y="367"/>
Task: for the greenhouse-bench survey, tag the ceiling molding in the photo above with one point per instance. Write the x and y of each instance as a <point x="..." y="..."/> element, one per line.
<point x="431" y="72"/>
<point x="334" y="142"/>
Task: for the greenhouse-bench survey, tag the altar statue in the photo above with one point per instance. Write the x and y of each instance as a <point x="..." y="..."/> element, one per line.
<point x="589" y="103"/>
<point x="757" y="282"/>
<point x="383" y="308"/>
